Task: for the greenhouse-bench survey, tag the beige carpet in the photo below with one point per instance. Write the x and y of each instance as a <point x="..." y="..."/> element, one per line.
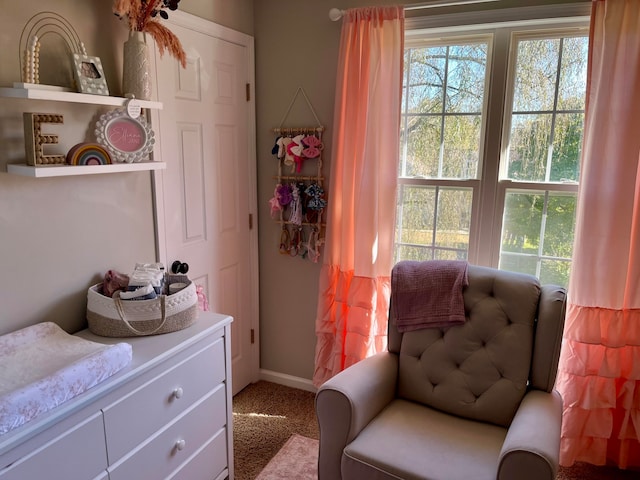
<point x="265" y="416"/>
<point x="298" y="459"/>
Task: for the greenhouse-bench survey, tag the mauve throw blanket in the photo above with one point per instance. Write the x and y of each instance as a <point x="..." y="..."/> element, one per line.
<point x="428" y="294"/>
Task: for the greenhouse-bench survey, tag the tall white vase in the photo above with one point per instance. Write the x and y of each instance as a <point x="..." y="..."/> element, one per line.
<point x="136" y="76"/>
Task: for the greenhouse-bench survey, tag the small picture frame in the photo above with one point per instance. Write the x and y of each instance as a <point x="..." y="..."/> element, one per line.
<point x="89" y="75"/>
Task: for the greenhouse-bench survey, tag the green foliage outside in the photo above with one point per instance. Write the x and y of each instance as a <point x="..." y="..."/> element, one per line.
<point x="441" y="132"/>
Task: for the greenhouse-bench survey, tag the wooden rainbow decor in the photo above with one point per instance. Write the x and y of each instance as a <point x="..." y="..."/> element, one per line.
<point x="88" y="154"/>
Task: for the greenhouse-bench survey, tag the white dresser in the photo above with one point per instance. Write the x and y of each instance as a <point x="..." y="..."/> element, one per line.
<point x="168" y="415"/>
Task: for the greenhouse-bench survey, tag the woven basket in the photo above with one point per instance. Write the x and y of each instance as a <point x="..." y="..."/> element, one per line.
<point x="114" y="317"/>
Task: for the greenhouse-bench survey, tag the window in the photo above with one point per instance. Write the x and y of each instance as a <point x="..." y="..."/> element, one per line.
<point x="490" y="147"/>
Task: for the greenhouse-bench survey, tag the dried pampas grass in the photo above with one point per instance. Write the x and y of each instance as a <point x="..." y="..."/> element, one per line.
<point x="141" y="16"/>
<point x="166" y="40"/>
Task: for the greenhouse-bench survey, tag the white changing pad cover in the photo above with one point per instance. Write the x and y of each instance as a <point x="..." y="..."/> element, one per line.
<point x="42" y="366"/>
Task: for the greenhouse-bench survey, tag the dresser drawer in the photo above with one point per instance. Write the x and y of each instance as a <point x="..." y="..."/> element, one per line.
<point x="171" y="447"/>
<point x="148" y="408"/>
<point x="208" y="463"/>
<point x="77" y="454"/>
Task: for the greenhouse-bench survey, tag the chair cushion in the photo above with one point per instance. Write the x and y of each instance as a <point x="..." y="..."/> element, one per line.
<point x="478" y="370"/>
<point x="407" y="440"/>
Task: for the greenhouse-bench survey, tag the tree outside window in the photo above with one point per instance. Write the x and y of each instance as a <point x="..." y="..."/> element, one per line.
<point x="443" y="168"/>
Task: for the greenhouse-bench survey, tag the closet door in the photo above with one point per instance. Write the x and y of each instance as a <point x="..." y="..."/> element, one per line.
<point x="207" y="193"/>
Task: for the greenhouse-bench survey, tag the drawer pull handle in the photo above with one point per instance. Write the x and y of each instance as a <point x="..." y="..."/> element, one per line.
<point x="178" y="392"/>
<point x="180" y="444"/>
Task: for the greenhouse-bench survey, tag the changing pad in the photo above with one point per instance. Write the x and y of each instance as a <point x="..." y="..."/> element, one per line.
<point x="42" y="366"/>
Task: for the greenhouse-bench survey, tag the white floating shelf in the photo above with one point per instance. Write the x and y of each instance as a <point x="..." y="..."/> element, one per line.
<point x="73" y="97"/>
<point x="70" y="170"/>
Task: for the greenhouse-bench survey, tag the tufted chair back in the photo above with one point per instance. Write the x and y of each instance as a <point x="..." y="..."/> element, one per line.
<point x="481" y="370"/>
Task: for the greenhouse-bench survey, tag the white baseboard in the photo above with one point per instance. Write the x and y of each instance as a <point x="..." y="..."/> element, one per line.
<point x="287" y="380"/>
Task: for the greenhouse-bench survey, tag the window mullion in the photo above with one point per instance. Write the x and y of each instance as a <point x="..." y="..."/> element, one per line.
<point x="435" y="221"/>
<point x="399" y="218"/>
<point x="543" y="228"/>
<point x="486" y="248"/>
<point x="444" y="109"/>
<point x="547" y="175"/>
<point x="405" y="118"/>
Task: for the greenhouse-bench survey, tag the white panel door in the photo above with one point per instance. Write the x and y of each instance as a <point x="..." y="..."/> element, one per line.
<point x="207" y="192"/>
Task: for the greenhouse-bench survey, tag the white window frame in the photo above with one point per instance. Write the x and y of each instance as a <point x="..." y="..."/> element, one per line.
<point x="505" y="184"/>
<point x="472" y="183"/>
<point x="489" y="189"/>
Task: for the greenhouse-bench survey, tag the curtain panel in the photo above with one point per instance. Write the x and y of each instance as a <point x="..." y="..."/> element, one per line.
<point x="353" y="298"/>
<point x="599" y="372"/>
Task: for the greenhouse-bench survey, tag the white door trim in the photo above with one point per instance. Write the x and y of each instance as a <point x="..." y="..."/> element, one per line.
<point x="201" y="25"/>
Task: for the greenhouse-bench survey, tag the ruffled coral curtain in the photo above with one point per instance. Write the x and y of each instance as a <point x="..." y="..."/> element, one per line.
<point x="599" y="376"/>
<point x="353" y="299"/>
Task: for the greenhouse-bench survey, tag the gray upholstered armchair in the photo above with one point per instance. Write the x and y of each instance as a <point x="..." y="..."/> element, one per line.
<point x="471" y="402"/>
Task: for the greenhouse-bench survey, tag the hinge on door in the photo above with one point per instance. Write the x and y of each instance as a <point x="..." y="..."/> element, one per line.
<point x="248" y="92"/>
<point x="253" y="336"/>
<point x="250" y="221"/>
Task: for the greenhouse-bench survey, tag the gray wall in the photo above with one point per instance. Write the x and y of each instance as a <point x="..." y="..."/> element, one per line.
<point x="59" y="235"/>
<point x="235" y="14"/>
<point x="297" y="45"/>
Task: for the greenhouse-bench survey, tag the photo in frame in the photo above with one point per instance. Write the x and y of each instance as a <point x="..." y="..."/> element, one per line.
<point x="126" y="139"/>
<point x="89" y="75"/>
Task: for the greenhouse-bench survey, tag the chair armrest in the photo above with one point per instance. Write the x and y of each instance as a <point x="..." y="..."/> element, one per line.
<point x="346" y="403"/>
<point x="548" y="340"/>
<point x="531" y="449"/>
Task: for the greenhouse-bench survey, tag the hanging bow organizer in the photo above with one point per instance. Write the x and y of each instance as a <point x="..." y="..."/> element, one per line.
<point x="299" y="199"/>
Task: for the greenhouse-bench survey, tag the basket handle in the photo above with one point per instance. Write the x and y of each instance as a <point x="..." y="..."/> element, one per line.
<point x="120" y="309"/>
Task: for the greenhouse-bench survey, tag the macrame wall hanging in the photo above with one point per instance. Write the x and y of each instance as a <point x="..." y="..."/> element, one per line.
<point x="299" y="198"/>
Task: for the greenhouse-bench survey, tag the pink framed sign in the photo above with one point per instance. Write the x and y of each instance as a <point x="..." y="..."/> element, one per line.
<point x="127" y="139"/>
